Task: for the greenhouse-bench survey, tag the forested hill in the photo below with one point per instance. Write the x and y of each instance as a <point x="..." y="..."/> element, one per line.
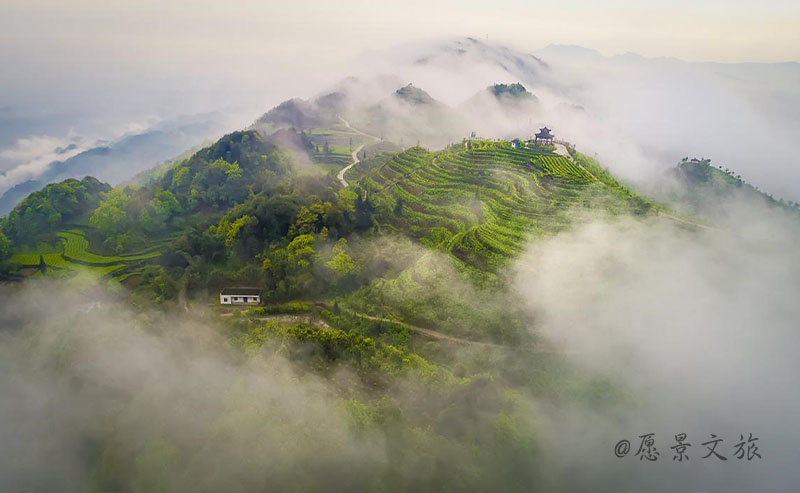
<point x="515" y="90"/>
<point x="53" y="207"/>
<point x="698" y="187"/>
<point x="222" y="175"/>
<point x="241" y="212"/>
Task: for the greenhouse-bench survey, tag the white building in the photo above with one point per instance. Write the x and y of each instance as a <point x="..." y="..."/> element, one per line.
<point x="240" y="296"/>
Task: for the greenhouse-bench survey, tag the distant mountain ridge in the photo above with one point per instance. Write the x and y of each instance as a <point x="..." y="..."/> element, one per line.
<point x="118" y="161"/>
<point x="408" y="113"/>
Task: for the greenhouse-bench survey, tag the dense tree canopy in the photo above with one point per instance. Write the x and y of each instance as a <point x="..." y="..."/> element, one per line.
<point x="43" y="212"/>
<point x="227" y="172"/>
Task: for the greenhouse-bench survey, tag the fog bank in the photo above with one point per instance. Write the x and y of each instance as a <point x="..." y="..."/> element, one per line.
<point x="698" y="328"/>
<point x="98" y="396"/>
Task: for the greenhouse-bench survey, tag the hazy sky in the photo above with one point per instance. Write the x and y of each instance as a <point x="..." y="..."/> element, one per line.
<point x="732" y="30"/>
<point x="51" y="47"/>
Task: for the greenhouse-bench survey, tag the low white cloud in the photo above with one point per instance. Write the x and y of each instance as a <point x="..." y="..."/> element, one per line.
<point x="31" y="157"/>
<point x="35" y="146"/>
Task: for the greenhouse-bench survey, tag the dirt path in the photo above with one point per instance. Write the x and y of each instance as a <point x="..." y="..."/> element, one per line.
<point x="440" y="336"/>
<point x="433" y="334"/>
<point x="294" y="319"/>
<point x="341" y="173"/>
<point x="685" y="221"/>
<point x="312" y="320"/>
<point x="561" y="150"/>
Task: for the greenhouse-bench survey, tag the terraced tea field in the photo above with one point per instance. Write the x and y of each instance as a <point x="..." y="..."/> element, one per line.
<point x="76" y="249"/>
<point x="75" y="256"/>
<point x="482" y="205"/>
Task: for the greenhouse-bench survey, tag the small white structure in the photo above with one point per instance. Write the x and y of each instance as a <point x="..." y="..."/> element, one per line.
<point x="240" y="296"/>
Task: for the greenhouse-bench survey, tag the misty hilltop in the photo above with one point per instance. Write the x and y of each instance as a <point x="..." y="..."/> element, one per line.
<point x="510" y="91"/>
<point x="414" y="95"/>
<point x="695" y="186"/>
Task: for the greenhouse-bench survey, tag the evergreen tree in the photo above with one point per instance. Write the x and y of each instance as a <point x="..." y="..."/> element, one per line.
<point x="363" y="213"/>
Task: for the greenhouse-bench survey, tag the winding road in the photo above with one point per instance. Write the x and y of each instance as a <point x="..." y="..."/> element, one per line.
<point x="341" y="173"/>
